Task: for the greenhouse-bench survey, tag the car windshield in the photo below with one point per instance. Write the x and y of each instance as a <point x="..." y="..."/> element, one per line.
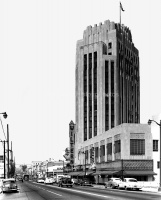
<point x="132" y="180"/>
<point x="7" y="182"/>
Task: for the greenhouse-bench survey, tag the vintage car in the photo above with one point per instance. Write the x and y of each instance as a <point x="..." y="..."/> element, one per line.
<point x="9" y="185"/>
<point x="65" y="181"/>
<point x="129" y="183"/>
<point x="76" y="181"/>
<point x="40" y="180"/>
<point x="113" y="183"/>
<point x="49" y="180"/>
<point x="86" y="182"/>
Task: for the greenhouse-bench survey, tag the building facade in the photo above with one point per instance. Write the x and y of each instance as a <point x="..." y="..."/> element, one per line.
<point x="124" y="151"/>
<point x="107" y="80"/>
<point x="108" y="134"/>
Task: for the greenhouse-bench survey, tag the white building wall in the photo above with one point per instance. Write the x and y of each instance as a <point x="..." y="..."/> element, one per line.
<point x="155" y="129"/>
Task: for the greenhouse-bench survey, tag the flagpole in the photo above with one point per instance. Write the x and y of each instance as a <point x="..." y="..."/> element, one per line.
<point x="120" y="14"/>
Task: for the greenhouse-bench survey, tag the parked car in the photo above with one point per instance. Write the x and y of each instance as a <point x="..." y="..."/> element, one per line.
<point x="40" y="180"/>
<point x="20" y="179"/>
<point x="64" y="181"/>
<point x="113" y="183"/>
<point x="9" y="185"/>
<point x="86" y="182"/>
<point x="76" y="181"/>
<point x="49" y="180"/>
<point x="129" y="183"/>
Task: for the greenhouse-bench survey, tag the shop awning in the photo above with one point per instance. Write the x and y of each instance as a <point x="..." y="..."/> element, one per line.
<point x="139" y="173"/>
<point x="105" y="172"/>
<point x="73" y="173"/>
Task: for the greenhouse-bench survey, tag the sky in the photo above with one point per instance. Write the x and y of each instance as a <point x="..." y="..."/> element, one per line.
<point x="37" y="66"/>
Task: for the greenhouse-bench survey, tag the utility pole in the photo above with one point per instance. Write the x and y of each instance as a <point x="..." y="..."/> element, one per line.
<point x="8" y="151"/>
<point x="4" y="160"/>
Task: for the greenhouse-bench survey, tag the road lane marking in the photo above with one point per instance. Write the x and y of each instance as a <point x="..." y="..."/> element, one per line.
<point x="78" y="191"/>
<point x="54" y="193"/>
<point x="48" y="190"/>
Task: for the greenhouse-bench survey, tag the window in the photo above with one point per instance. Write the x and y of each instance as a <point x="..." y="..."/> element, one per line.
<point x="96" y="152"/>
<point x="86" y="154"/>
<point x="158" y="165"/>
<point x="109" y="149"/>
<point x="109" y="45"/>
<point x="137" y="147"/>
<point x="155" y="145"/>
<point x="117" y="146"/>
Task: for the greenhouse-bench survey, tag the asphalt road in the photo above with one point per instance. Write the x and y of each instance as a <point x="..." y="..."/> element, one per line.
<point x="35" y="191"/>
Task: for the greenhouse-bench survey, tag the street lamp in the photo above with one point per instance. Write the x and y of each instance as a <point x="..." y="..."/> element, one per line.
<point x="4" y="114"/>
<point x="159" y="124"/>
<point x="82" y="152"/>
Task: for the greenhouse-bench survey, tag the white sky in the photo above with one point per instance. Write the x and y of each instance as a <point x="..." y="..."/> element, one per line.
<point x="37" y="66"/>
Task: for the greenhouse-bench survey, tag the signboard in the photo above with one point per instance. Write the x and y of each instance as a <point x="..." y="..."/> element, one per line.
<point x="1" y="168"/>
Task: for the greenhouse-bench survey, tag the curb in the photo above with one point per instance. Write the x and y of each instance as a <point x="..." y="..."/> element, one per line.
<point x="144" y="189"/>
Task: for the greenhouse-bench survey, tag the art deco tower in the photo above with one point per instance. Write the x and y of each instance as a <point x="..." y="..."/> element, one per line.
<point x="107" y="80"/>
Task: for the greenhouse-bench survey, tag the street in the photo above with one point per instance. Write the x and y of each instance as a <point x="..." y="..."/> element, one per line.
<point x="35" y="191"/>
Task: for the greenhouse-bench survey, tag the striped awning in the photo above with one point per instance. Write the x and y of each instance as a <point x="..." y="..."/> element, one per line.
<point x="139" y="173"/>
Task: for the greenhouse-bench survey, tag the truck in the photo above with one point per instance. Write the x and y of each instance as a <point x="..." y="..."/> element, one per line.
<point x="129" y="183"/>
<point x="65" y="181"/>
<point x="26" y="177"/>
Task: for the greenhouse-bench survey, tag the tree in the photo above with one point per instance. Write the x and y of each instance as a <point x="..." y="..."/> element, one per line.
<point x="67" y="154"/>
<point x="24" y="167"/>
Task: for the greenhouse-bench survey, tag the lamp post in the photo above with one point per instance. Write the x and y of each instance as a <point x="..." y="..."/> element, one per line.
<point x="159" y="124"/>
<point x="82" y="152"/>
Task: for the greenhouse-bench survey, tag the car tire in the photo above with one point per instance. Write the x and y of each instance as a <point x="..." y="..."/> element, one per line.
<point x="111" y="186"/>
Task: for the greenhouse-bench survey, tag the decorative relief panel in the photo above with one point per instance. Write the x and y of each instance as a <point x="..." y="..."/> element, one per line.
<point x="137" y="135"/>
<point x="96" y="144"/>
<point x="117" y="137"/>
<point x="86" y="148"/>
<point x="102" y="142"/>
<point x="109" y="140"/>
<point x="138" y="164"/>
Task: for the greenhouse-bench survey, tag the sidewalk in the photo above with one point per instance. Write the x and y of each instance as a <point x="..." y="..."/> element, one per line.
<point x="145" y="189"/>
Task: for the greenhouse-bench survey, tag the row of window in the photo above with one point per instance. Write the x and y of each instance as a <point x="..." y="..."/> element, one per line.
<point x="129" y="54"/>
<point x="112" y="92"/>
<point x="90" y="94"/>
<point x="137" y="147"/>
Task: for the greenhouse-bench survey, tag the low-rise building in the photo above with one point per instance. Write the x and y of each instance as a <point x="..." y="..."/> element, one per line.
<point x="123" y="151"/>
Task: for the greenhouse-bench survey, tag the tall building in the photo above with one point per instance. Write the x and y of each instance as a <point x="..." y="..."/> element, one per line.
<point x="108" y="135"/>
<point x="107" y="79"/>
